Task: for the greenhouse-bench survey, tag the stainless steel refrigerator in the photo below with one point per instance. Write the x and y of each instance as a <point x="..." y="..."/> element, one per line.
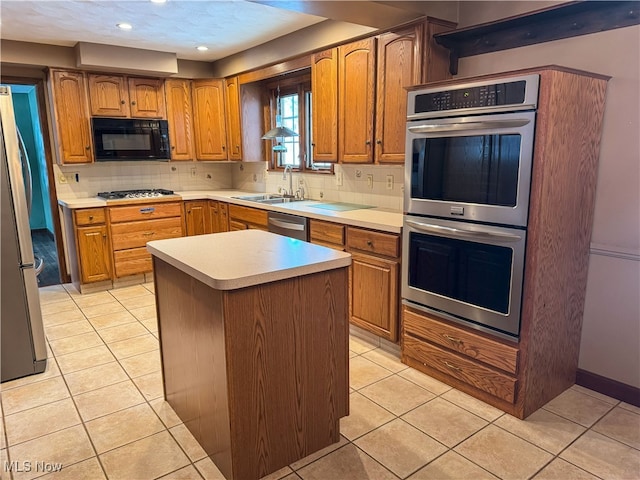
<point x="22" y="346"/>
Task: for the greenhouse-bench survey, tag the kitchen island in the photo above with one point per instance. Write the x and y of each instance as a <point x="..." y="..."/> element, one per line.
<point x="254" y="343"/>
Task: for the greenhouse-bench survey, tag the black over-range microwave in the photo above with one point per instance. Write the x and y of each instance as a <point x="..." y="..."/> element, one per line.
<point x="130" y="139"/>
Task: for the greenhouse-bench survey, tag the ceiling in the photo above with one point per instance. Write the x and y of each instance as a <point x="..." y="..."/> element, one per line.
<point x="177" y="26"/>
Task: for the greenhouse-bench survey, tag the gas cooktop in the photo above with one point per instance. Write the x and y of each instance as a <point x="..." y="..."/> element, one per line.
<point x="142" y="193"/>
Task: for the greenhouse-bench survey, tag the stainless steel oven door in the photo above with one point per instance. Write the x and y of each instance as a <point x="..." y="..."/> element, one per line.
<point x="469" y="273"/>
<point x="472" y="168"/>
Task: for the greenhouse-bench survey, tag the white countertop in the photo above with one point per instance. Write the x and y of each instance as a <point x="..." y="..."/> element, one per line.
<point x="239" y="259"/>
<point x="373" y="218"/>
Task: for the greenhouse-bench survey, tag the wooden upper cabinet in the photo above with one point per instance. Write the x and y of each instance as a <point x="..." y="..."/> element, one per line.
<point x="399" y="65"/>
<point x="209" y="119"/>
<point x="71" y="111"/>
<point x="324" y="115"/>
<point x="120" y="96"/>
<point x="435" y="58"/>
<point x="180" y="119"/>
<point x="356" y="88"/>
<point x="109" y="96"/>
<point x="234" y="118"/>
<point x="147" y="97"/>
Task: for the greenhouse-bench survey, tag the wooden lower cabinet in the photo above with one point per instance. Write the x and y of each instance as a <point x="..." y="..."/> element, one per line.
<point x="218" y="216"/>
<point x="132" y="226"/>
<point x="242" y="218"/>
<point x="328" y="234"/>
<point x="197" y="220"/>
<point x="94" y="257"/>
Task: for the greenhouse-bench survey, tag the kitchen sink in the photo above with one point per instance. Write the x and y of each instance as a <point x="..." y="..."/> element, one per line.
<point x="269" y="198"/>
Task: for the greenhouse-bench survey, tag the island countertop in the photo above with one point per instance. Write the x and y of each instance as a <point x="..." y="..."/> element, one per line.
<point x="243" y="258"/>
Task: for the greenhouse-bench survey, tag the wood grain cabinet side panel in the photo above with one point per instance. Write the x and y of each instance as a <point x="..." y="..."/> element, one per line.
<point x="233" y="118"/>
<point x="356" y="93"/>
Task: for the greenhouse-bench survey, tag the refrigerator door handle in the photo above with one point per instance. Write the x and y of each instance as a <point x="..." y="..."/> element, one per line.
<point x="26" y="171"/>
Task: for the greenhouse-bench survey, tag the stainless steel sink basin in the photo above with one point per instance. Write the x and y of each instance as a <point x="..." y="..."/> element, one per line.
<point x="269" y="198"/>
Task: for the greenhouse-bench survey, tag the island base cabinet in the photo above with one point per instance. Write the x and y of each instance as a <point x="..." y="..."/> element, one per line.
<point x="259" y="382"/>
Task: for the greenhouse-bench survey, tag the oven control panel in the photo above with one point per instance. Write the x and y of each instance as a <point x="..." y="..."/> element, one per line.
<point x="516" y="93"/>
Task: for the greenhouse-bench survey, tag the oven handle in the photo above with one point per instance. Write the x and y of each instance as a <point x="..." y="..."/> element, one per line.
<point x="458" y="232"/>
<point x="481" y="125"/>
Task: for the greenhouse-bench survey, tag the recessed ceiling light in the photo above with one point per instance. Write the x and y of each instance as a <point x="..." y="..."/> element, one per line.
<point x="202" y="48"/>
<point x="158" y="1"/>
<point x="124" y="26"/>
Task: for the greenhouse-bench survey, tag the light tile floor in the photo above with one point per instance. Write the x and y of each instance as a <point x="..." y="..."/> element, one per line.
<point x="98" y="411"/>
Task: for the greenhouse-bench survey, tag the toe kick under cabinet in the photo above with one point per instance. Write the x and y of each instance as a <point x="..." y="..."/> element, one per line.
<point x="132" y="226"/>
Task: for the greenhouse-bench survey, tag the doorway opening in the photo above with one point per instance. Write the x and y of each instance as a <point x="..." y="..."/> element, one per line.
<point x="44" y="219"/>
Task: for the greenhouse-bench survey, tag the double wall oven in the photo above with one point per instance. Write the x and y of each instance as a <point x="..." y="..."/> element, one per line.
<point x="467" y="178"/>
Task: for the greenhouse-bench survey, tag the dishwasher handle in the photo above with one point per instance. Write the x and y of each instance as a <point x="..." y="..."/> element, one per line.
<point x="286" y="225"/>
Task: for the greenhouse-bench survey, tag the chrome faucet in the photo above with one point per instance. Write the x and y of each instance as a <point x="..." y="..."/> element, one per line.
<point x="289" y="169"/>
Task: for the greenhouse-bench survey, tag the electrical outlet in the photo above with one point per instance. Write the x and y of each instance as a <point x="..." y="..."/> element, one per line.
<point x="339" y="179"/>
<point x="389" y="182"/>
<point x="370" y="181"/>
<point x="193" y="172"/>
<point x="75" y="176"/>
<point x="62" y="178"/>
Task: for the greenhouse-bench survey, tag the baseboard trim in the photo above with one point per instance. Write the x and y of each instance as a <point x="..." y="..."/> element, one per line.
<point x="607" y="386"/>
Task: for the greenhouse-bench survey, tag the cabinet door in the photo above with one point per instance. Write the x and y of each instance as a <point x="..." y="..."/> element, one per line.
<point x="71" y="111"/>
<point x="398" y="67"/>
<point x="180" y="119"/>
<point x="234" y="118"/>
<point x="94" y="254"/>
<point x="209" y="119"/>
<point x="109" y="96"/>
<point x="147" y="97"/>
<point x="324" y="116"/>
<point x="374" y="295"/>
<point x="356" y="88"/>
<point x="197" y="217"/>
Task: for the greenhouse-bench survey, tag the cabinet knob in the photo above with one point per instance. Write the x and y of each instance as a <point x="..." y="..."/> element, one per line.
<point x="90" y="218"/>
<point x="368" y="142"/>
<point x="173" y="147"/>
<point x="122" y="102"/>
<point x="88" y="147"/>
<point x="379" y="142"/>
<point x="104" y="235"/>
<point x="133" y="103"/>
<point x="369" y="243"/>
<point x="223" y="147"/>
<point x="237" y="148"/>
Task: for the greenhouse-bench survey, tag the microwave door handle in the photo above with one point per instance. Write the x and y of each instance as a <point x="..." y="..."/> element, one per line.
<point x="461" y="126"/>
<point x="461" y="233"/>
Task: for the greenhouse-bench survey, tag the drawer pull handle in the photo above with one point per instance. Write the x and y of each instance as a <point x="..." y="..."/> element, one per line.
<point x="369" y="243"/>
<point x="90" y="217"/>
<point x="451" y="366"/>
<point x="147" y="210"/>
<point x="148" y="234"/>
<point x="451" y="339"/>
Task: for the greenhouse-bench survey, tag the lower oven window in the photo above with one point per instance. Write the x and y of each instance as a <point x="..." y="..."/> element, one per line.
<point x="475" y="273"/>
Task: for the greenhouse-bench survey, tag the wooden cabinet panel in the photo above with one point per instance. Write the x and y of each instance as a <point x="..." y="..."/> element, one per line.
<point x="144" y="212"/>
<point x="71" y="111"/>
<point x="89" y="216"/>
<point x="234" y="118"/>
<point x="137" y="234"/>
<point x="327" y="233"/>
<point x="180" y="119"/>
<point x="374" y="295"/>
<point x="380" y="243"/>
<point x="324" y="124"/>
<point x="132" y="262"/>
<point x="252" y="217"/>
<point x="474" y="346"/>
<point x="109" y="96"/>
<point x="197" y="217"/>
<point x="484" y="378"/>
<point x="147" y="97"/>
<point x="398" y="67"/>
<point x="209" y="119"/>
<point x="94" y="256"/>
<point x="356" y="90"/>
<point x="218" y="216"/>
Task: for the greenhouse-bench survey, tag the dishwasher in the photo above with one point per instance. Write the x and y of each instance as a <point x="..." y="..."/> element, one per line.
<point x="292" y="226"/>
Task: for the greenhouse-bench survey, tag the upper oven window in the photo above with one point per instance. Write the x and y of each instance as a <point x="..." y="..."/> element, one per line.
<point x="479" y="169"/>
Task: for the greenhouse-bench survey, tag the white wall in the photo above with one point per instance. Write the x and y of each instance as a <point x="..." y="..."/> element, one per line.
<point x="611" y="329"/>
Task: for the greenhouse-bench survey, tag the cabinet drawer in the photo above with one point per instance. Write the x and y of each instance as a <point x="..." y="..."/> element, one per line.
<point x="144" y="212"/>
<point x="326" y="233"/>
<point x="137" y="234"/>
<point x="132" y="262"/>
<point x="89" y="216"/>
<point x="484" y="378"/>
<point x="477" y="347"/>
<point x="387" y="244"/>
<point x="248" y="215"/>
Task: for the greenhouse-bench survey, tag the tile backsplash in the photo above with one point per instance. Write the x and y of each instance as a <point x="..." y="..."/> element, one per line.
<point x="84" y="181"/>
